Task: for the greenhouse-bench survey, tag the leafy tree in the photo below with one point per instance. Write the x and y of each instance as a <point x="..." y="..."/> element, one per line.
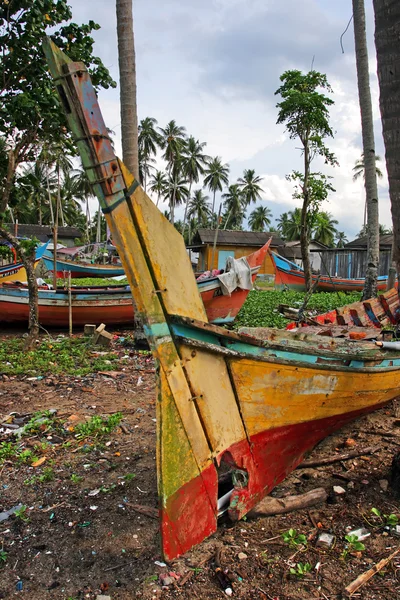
<point x="30" y="112"/>
<point x="199" y="207"/>
<point x="158" y="184"/>
<point x="387" y="19"/>
<point x="341" y="239"/>
<point x="217" y="176"/>
<point x="304" y="110"/>
<point x="324" y="230"/>
<point x="250" y="184"/>
<point x="367" y="128"/>
<point x="172" y="139"/>
<point x="260" y="219"/>
<point x="235" y="207"/>
<point x="149" y="140"/>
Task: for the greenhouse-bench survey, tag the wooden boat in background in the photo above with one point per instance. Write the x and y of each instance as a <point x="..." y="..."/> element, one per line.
<point x="77" y="262"/>
<point x="15" y="271"/>
<point x="290" y="276"/>
<point x="235" y="413"/>
<point x="223" y="309"/>
<point x="111" y="305"/>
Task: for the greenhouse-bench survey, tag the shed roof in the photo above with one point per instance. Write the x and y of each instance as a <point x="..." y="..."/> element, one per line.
<point x="361" y="242"/>
<point x="236" y="238"/>
<point x="44" y="232"/>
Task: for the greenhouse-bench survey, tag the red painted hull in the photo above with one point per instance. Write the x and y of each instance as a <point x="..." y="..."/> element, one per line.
<point x="270" y="456"/>
<point x="224" y="309"/>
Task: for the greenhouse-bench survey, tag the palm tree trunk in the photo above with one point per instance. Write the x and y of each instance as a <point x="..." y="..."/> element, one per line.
<point x="127" y="79"/>
<point x="304" y="221"/>
<point x="213" y="206"/>
<point x="367" y="126"/>
<point x="49" y="195"/>
<point x="186" y="207"/>
<point x="98" y="232"/>
<point x="387" y="35"/>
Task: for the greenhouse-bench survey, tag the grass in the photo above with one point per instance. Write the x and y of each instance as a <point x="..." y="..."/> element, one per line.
<point x="89" y="281"/>
<point x="261" y="307"/>
<point x="70" y="356"/>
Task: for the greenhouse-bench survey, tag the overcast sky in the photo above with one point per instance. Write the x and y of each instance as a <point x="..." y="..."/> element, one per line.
<point x="214" y="65"/>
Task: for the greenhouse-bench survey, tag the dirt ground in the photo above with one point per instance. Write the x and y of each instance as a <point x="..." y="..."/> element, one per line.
<point x="91" y="531"/>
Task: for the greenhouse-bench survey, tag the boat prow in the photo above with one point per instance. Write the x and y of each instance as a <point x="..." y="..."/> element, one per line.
<point x="235" y="414"/>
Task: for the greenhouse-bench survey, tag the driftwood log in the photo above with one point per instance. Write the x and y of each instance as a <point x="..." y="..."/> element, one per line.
<point x="278" y="506"/>
<point x="330" y="460"/>
<point x="362" y="579"/>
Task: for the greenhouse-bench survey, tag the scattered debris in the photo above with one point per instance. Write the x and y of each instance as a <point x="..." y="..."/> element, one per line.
<point x="242" y="556"/>
<point x="362" y="579"/>
<point x="89" y="329"/>
<point x="325" y="539"/>
<point x="360" y="533"/>
<point x="7" y="513"/>
<point x="279" y="506"/>
<point x="333" y="459"/>
<point x="338" y="490"/>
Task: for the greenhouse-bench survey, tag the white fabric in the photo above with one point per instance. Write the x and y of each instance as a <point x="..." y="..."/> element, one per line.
<point x="237" y="275"/>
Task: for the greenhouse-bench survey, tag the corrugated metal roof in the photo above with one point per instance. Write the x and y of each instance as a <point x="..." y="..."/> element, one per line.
<point x="43" y="232"/>
<point x="361" y="242"/>
<point x="237" y="238"/>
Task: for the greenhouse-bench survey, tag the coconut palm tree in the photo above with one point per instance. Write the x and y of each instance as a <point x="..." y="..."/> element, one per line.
<point x="199" y="207"/>
<point x="359" y="168"/>
<point x="176" y="192"/>
<point x="193" y="162"/>
<point x="172" y="138"/>
<point x="149" y="140"/>
<point x="282" y="223"/>
<point x="367" y="128"/>
<point x="235" y="206"/>
<point x="341" y="239"/>
<point x="127" y="81"/>
<point x="158" y="184"/>
<point x="387" y="18"/>
<point x="293" y="225"/>
<point x="250" y="184"/>
<point x="32" y="184"/>
<point x="324" y="229"/>
<point x="259" y="219"/>
<point x="84" y="191"/>
<point x="216" y="177"/>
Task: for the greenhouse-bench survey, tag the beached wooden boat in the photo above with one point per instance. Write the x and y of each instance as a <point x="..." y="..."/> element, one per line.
<point x="111" y="305"/>
<point x="222" y="309"/>
<point x="288" y="275"/>
<point x="235" y="413"/>
<point x="358" y="320"/>
<point x="77" y="262"/>
<point x="15" y="271"/>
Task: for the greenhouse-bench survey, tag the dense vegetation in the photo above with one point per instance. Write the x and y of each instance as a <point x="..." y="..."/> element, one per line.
<point x="261" y="307"/>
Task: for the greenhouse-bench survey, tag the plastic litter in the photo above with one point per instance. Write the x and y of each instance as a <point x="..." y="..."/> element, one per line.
<point x="361" y="533"/>
<point x="7" y="513"/>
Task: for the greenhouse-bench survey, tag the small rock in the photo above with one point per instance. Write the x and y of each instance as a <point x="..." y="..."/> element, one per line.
<point x="102" y="597"/>
<point x="160" y="564"/>
<point x="351" y="485"/>
<point x="384" y="484"/>
<point x="339" y="491"/>
<point x="228" y="591"/>
<point x="365" y="481"/>
<point x="242" y="556"/>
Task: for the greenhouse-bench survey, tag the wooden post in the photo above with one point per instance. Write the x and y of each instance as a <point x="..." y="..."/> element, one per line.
<point x="69" y="303"/>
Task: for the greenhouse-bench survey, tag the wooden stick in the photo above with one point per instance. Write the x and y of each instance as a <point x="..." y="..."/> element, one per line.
<point x="362" y="579"/>
<point x="333" y="459"/>
<point x="148" y="511"/>
<point x="279" y="506"/>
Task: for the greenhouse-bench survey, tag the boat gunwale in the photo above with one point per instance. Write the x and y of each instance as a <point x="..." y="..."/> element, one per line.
<point x="229" y="352"/>
<point x="220" y="332"/>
